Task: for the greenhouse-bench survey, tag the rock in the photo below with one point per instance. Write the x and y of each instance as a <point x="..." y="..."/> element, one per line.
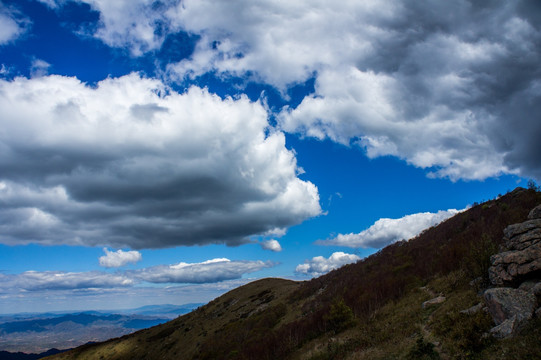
<point x="472" y="310"/>
<point x="510" y="266"/>
<point x="436" y="300"/>
<point x="504" y="303"/>
<point x="528" y="285"/>
<point x="535" y="213"/>
<point x="506" y="329"/>
<point x="522" y="258"/>
<point x="519" y="260"/>
<point x="536" y="290"/>
<point x="520" y="228"/>
<point x="523" y="240"/>
<point x="477" y="281"/>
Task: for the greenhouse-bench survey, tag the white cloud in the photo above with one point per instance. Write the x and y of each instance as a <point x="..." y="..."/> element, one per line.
<point x="139" y="25"/>
<point x="319" y="265"/>
<point x="131" y="163"/>
<point x="113" y="259"/>
<point x="18" y="300"/>
<point x="272" y="245"/>
<point x="446" y="86"/>
<point x="387" y="231"/>
<point x="204" y="272"/>
<point x="11" y="24"/>
<point x="39" y="68"/>
<point x="58" y="280"/>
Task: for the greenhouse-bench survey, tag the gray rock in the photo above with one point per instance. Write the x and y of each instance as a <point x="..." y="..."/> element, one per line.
<point x="520" y="228"/>
<point x="536" y="290"/>
<point x="436" y="300"/>
<point x="472" y="310"/>
<point x="510" y="266"/>
<point x="528" y="285"/>
<point x="505" y="303"/>
<point x="506" y="329"/>
<point x="523" y="240"/>
<point x="535" y="213"/>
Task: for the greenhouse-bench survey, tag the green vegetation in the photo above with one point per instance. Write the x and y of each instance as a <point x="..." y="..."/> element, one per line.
<point x="368" y="310"/>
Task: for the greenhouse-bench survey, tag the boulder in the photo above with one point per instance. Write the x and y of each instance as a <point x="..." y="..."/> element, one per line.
<point x="506" y="303"/>
<point x="536" y="290"/>
<point x="506" y="329"/>
<point x="529" y="285"/>
<point x="472" y="310"/>
<point x="436" y="300"/>
<point x="535" y="213"/>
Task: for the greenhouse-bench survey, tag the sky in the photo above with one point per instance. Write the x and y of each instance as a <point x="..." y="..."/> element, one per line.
<point x="158" y="152"/>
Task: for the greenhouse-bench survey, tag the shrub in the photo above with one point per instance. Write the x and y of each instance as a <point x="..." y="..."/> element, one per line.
<point x="422" y="350"/>
<point x="339" y="317"/>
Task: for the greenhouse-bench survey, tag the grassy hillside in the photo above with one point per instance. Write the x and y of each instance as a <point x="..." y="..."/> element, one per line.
<point x="368" y="310"/>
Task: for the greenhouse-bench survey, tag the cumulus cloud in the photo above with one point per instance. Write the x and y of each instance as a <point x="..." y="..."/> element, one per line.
<point x="12" y="24"/>
<point x="450" y="87"/>
<point x="139" y="25"/>
<point x="57" y="280"/>
<point x="39" y="68"/>
<point x="387" y="231"/>
<point x="113" y="259"/>
<point x="320" y="265"/>
<point x="131" y="163"/>
<point x="204" y="272"/>
<point x="20" y="300"/>
<point x="272" y="245"/>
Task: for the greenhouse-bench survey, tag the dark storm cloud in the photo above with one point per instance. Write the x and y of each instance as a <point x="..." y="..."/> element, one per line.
<point x="121" y="165"/>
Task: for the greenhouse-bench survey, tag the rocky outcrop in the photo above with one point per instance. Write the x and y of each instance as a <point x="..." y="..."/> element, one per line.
<point x="518" y="268"/>
<point x="511" y="266"/>
<point x="522" y="256"/>
<point x="535" y="213"/>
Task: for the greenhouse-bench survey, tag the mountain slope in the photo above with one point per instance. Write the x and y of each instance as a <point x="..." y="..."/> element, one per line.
<point x="367" y="310"/>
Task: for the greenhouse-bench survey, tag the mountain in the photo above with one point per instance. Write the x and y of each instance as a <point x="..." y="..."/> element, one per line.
<point x="35" y="333"/>
<point x="5" y="355"/>
<point x="417" y="299"/>
<point x="164" y="310"/>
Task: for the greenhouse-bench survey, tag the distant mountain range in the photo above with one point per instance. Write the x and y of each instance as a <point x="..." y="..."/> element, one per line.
<point x="6" y="355"/>
<point x="39" y="332"/>
<point x="419" y="299"/>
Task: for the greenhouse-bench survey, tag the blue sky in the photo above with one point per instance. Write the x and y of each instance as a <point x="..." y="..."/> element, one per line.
<point x="168" y="151"/>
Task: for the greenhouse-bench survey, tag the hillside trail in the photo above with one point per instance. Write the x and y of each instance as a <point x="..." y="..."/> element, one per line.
<point x="427" y="333"/>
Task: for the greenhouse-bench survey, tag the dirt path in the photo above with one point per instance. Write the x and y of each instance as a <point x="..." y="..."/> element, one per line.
<point x="427" y="333"/>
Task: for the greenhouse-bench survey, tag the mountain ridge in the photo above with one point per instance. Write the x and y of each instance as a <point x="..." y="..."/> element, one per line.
<point x="370" y="309"/>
